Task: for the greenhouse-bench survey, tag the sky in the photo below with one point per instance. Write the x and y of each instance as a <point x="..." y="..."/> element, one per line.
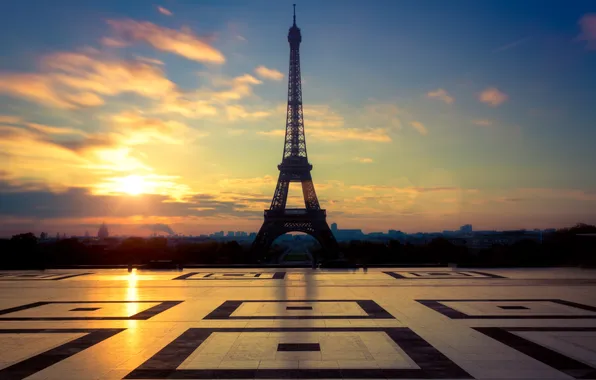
<point x="420" y="115"/>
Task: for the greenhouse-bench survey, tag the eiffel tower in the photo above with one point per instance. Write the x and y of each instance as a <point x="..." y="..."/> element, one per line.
<point x="295" y="167"/>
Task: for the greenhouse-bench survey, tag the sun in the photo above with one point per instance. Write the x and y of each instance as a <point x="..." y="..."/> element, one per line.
<point x="132" y="185"/>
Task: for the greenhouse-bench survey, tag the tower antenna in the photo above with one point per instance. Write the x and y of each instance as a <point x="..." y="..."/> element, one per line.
<point x="294" y="14"/>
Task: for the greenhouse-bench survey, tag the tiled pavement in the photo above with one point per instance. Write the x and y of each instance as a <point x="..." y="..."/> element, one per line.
<point x="414" y="323"/>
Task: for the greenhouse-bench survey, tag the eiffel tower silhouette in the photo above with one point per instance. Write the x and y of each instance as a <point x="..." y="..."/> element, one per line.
<point x="295" y="167"/>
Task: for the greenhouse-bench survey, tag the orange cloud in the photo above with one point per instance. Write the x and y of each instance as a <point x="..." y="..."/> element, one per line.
<point x="364" y="160"/>
<point x="47" y="129"/>
<point x="10" y="119"/>
<point x="34" y="87"/>
<point x="441" y="95"/>
<point x="164" y="11"/>
<point x="492" y="96"/>
<point x="267" y="73"/>
<point x="241" y="87"/>
<point x="419" y="127"/>
<point x="113" y="42"/>
<point x="90" y="73"/>
<point x="372" y="134"/>
<point x="321" y="116"/>
<point x="134" y="129"/>
<point x="75" y="80"/>
<point x="237" y="111"/>
<point x="338" y="134"/>
<point x="588" y="30"/>
<point x="182" y="42"/>
<point x="210" y="102"/>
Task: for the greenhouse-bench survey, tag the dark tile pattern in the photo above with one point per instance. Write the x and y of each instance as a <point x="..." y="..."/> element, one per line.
<point x="86" y="309"/>
<point x="370" y="307"/>
<point x="143" y="315"/>
<point x="298" y="347"/>
<point x="563" y="363"/>
<point x="48" y="358"/>
<point x="38" y="277"/>
<point x="514" y="308"/>
<point x="444" y="275"/>
<point x="299" y="308"/>
<point x="234" y="276"/>
<point x="433" y="364"/>
<point x="437" y="306"/>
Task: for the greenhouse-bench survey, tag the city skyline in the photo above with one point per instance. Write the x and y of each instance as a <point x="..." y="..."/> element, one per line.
<point x="418" y="117"/>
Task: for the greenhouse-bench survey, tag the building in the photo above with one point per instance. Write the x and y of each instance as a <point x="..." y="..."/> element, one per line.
<point x="466" y="229"/>
<point x="351" y="234"/>
<point x="103" y="233"/>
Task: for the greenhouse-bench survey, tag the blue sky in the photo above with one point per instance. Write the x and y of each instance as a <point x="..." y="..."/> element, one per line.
<point x="420" y="115"/>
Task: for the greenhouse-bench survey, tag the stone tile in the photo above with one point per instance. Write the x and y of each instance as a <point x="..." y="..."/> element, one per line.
<point x="542" y="321"/>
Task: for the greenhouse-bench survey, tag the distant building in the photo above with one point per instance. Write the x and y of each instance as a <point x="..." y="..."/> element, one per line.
<point x="466" y="229"/>
<point x="346" y="234"/>
<point x="103" y="231"/>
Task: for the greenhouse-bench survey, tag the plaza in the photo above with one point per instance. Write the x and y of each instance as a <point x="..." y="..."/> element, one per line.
<point x="203" y="323"/>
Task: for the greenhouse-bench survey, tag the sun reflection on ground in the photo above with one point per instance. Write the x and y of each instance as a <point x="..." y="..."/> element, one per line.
<point x="132" y="294"/>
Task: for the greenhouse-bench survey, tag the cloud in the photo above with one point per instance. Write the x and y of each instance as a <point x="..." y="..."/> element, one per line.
<point x="492" y="96"/>
<point x="47" y="129"/>
<point x="419" y="127"/>
<point x="323" y="123"/>
<point x="152" y="61"/>
<point x="382" y="115"/>
<point x="182" y="42"/>
<point x="240" y="87"/>
<point x="588" y="30"/>
<point x="236" y="112"/>
<point x="164" y="11"/>
<point x="10" y="119"/>
<point x="93" y="73"/>
<point x="75" y="202"/>
<point x="372" y="135"/>
<point x="38" y="88"/>
<point x="441" y="95"/>
<point x="554" y="193"/>
<point x="113" y="42"/>
<point x="482" y="122"/>
<point x="340" y="134"/>
<point x="512" y="44"/>
<point x="364" y="160"/>
<point x="75" y="80"/>
<point x="320" y="116"/>
<point x="211" y="102"/>
<point x="267" y="73"/>
<point x="135" y="128"/>
<point x="406" y="189"/>
<point x="273" y="133"/>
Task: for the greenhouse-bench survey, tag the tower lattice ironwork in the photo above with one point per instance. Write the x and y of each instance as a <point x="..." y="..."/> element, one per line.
<point x="295" y="167"/>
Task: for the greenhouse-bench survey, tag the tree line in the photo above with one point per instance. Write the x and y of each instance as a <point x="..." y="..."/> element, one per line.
<point x="563" y="247"/>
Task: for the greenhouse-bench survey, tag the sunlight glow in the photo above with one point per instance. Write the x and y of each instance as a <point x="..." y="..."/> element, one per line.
<point x="131" y="185"/>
